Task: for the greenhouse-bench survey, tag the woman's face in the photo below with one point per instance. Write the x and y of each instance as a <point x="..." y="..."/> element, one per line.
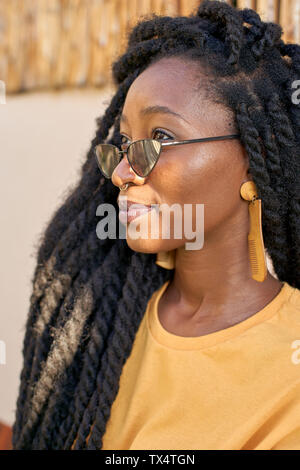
<point x="206" y="173"/>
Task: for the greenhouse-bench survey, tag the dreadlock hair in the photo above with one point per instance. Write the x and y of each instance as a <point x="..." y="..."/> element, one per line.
<point x="89" y="295"/>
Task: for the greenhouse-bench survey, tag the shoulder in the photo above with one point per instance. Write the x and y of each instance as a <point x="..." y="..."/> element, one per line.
<point x="291" y="302"/>
<point x="294" y="297"/>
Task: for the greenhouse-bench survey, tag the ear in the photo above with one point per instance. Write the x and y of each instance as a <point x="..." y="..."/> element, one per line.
<point x="248" y="175"/>
<point x="246" y="157"/>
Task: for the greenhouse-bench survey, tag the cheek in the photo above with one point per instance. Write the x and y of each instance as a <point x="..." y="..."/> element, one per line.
<point x="212" y="179"/>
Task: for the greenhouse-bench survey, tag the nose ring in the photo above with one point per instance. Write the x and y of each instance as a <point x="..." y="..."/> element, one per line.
<point x="124" y="187"/>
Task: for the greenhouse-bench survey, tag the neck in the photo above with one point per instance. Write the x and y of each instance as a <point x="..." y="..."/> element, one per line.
<point x="216" y="281"/>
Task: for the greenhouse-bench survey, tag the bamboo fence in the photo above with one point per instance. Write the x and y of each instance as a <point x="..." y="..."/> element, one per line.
<point x="63" y="43"/>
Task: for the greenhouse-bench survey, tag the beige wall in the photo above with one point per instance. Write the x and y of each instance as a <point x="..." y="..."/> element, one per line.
<point x="43" y="140"/>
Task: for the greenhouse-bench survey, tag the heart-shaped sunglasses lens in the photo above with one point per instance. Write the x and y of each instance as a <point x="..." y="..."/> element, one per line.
<point x="107" y="157"/>
<point x="142" y="156"/>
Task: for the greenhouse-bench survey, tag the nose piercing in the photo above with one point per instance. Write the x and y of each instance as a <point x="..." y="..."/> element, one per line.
<point x="124" y="187"/>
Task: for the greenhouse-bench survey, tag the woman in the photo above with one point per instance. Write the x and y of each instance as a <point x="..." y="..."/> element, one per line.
<point x="121" y="353"/>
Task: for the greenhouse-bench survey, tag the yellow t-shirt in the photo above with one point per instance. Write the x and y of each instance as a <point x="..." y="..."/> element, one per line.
<point x="237" y="388"/>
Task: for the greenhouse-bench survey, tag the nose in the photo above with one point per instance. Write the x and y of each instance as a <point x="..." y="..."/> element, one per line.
<point x="123" y="173"/>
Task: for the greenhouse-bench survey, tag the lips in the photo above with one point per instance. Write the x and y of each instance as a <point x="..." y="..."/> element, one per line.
<point x="124" y="204"/>
<point x="127" y="214"/>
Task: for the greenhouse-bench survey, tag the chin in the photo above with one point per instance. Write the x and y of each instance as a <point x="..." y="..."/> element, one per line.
<point x="147" y="245"/>
<point x="140" y="238"/>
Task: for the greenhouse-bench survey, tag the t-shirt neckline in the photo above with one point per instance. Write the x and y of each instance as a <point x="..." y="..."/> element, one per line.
<point x="172" y="341"/>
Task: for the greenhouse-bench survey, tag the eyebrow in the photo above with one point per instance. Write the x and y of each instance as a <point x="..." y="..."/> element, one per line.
<point x="156" y="109"/>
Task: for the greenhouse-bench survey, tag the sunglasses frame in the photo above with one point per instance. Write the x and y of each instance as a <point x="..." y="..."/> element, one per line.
<point x="162" y="145"/>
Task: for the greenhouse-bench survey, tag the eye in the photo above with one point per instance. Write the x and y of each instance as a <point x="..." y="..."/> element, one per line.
<point x="155" y="134"/>
<point x="162" y="133"/>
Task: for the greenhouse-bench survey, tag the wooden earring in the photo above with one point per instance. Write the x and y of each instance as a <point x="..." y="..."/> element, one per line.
<point x="256" y="247"/>
<point x="166" y="259"/>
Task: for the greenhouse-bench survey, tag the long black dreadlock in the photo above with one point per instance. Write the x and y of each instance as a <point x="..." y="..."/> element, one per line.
<point x="89" y="295"/>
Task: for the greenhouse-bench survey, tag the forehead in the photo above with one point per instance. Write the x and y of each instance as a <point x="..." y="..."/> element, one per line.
<point x="169" y="82"/>
<point x="183" y="87"/>
<point x="169" y="73"/>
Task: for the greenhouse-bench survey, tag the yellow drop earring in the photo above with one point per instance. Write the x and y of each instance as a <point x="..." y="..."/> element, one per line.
<point x="166" y="259"/>
<point x="256" y="247"/>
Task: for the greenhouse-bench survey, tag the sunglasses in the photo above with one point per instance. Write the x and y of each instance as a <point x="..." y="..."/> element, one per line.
<point x="142" y="155"/>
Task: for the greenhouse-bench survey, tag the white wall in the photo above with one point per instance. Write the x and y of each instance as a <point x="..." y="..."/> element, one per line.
<point x="43" y="140"/>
